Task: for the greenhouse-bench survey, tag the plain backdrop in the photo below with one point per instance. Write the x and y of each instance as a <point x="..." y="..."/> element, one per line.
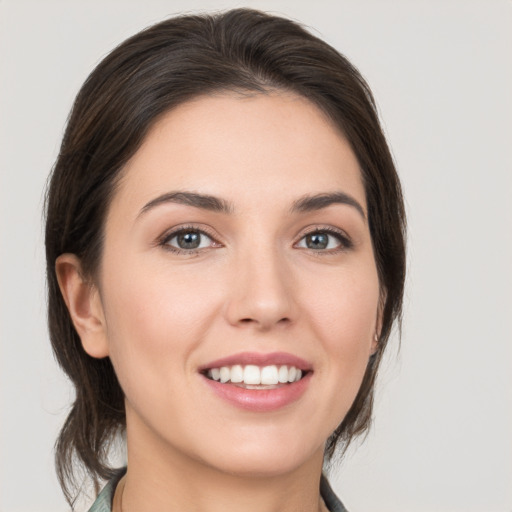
<point x="441" y="71"/>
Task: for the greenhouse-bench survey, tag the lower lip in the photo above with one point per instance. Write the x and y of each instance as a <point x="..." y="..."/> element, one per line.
<point x="260" y="400"/>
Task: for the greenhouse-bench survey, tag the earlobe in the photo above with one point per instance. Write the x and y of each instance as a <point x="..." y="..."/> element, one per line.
<point x="378" y="325"/>
<point x="375" y="344"/>
<point x="84" y="305"/>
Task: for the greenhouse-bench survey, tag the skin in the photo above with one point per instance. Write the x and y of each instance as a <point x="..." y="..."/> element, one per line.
<point x="253" y="286"/>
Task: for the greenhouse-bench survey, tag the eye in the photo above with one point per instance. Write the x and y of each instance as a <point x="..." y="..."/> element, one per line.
<point x="188" y="240"/>
<point x="324" y="240"/>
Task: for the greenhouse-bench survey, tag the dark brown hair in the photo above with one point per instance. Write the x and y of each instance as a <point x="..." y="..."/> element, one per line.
<point x="159" y="68"/>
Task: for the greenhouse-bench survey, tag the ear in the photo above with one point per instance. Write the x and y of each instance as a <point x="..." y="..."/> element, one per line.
<point x="378" y="324"/>
<point x="84" y="305"/>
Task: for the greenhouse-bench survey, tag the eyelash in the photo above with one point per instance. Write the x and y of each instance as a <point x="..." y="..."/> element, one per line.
<point x="167" y="237"/>
<point x="345" y="243"/>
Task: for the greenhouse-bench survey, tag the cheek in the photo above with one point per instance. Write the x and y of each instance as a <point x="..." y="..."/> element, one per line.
<point x="155" y="321"/>
<point x="344" y="317"/>
<point x="346" y="310"/>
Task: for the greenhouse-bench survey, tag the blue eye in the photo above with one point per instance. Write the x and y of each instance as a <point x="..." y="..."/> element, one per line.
<point x="188" y="240"/>
<point x="323" y="240"/>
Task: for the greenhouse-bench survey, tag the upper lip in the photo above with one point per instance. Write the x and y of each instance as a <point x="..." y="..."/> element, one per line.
<point x="259" y="359"/>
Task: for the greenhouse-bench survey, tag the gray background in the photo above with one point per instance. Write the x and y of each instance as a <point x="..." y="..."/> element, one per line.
<point x="442" y="75"/>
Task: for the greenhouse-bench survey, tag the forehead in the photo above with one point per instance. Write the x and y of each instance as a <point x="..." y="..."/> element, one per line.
<point x="277" y="146"/>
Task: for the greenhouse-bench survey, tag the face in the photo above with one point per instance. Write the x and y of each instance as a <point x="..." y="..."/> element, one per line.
<point x="238" y="258"/>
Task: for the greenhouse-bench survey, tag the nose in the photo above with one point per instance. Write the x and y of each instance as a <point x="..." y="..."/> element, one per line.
<point x="262" y="292"/>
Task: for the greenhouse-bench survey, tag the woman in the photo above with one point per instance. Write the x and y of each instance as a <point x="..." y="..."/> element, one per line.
<point x="225" y="251"/>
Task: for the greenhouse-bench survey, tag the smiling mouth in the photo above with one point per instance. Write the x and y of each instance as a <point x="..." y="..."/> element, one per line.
<point x="256" y="377"/>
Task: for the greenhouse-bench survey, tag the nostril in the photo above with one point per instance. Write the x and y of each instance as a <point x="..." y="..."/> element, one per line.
<point x="284" y="320"/>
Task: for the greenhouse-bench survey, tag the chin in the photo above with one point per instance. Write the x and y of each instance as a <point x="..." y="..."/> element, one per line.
<point x="263" y="460"/>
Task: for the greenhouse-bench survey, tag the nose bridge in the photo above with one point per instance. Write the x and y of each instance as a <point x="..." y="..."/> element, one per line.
<point x="262" y="288"/>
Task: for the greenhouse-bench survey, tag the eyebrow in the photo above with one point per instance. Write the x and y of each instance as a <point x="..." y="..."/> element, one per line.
<point x="203" y="201"/>
<point x="311" y="203"/>
<point x="306" y="203"/>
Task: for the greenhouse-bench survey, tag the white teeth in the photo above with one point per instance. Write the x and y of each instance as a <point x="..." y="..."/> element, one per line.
<point x="253" y="375"/>
<point x="283" y="374"/>
<point x="269" y="375"/>
<point x="225" y="374"/>
<point x="237" y="373"/>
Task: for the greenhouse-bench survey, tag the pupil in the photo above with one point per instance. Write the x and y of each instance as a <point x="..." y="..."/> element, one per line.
<point x="317" y="241"/>
<point x="189" y="240"/>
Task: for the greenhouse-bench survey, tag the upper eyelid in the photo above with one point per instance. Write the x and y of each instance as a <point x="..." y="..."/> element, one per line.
<point x="325" y="229"/>
<point x="345" y="240"/>
<point x="209" y="232"/>
<point x="170" y="233"/>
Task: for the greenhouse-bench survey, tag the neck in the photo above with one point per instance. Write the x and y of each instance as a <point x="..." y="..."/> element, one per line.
<point x="159" y="480"/>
